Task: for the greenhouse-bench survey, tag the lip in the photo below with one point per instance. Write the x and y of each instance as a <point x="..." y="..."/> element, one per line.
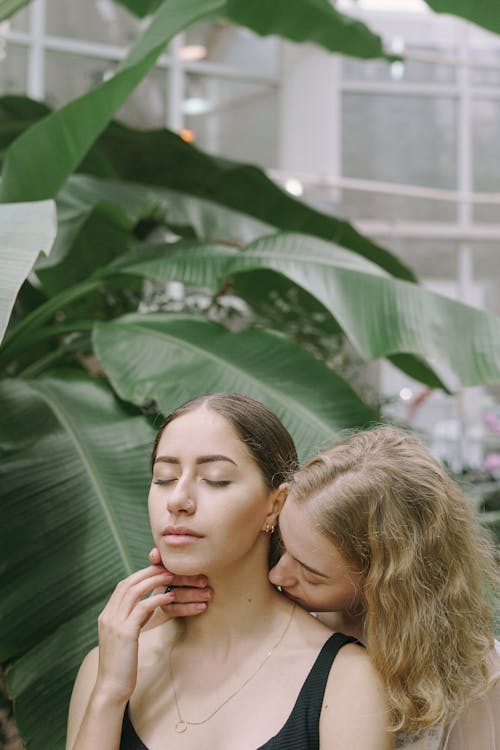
<point x="289" y="596"/>
<point x="179" y="535"/>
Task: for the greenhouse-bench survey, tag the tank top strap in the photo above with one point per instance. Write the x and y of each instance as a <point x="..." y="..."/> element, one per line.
<point x="301" y="730"/>
<point x="313" y="689"/>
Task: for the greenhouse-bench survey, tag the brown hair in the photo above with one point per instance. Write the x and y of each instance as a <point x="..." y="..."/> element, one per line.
<point x="427" y="568"/>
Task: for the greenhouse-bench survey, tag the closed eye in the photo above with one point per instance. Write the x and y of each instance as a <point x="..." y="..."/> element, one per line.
<point x="164" y="481"/>
<point x="217" y="483"/>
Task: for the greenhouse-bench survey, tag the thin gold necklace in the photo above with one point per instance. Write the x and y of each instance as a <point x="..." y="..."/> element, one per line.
<point x="182" y="724"/>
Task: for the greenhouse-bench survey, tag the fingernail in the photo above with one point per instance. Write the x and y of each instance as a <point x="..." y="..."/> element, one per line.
<point x="200" y="607"/>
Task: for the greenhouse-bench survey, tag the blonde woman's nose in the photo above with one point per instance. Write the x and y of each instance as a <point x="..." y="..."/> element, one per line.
<point x="282" y="574"/>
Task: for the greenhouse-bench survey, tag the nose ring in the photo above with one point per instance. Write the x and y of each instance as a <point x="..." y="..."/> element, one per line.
<point x="188" y="505"/>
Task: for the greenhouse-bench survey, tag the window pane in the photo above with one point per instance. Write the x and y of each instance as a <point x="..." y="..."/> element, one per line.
<point x="94" y="20"/>
<point x="410" y="71"/>
<point x="233" y="118"/>
<point x="402" y="139"/>
<point x="361" y="204"/>
<point x="486" y="137"/>
<point x="13" y="69"/>
<point x="69" y="75"/>
<point x="429" y="258"/>
<point x="147" y="105"/>
<point x="20" y="21"/>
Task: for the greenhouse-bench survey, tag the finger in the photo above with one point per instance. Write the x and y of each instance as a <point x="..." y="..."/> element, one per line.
<point x="131" y="595"/>
<point x="154" y="556"/>
<point x="184" y="610"/>
<point x="189" y="595"/>
<point x="199" y="581"/>
<point x="144" y="610"/>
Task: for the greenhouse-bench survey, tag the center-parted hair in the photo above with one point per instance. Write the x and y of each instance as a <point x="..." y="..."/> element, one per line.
<point x="427" y="568"/>
<point x="266" y="437"/>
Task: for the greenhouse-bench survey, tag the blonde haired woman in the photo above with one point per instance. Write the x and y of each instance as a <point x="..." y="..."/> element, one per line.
<point x="377" y="533"/>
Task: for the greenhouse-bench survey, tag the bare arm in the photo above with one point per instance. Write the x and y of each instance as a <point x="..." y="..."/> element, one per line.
<point x="93" y="717"/>
<point x="354" y="713"/>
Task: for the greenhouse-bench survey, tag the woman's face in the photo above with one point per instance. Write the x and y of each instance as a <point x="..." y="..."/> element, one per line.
<point x="208" y="499"/>
<point x="312" y="570"/>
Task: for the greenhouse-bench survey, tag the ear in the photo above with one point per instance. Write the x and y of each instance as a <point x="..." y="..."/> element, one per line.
<point x="277" y="500"/>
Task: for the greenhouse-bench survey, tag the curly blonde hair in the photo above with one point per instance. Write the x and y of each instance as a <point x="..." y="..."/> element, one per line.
<point x="427" y="569"/>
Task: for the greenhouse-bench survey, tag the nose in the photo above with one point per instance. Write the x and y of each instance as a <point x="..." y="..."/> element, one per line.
<point x="180" y="500"/>
<point x="282" y="574"/>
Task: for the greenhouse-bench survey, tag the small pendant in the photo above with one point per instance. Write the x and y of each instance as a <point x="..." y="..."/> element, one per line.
<point x="181" y="726"/>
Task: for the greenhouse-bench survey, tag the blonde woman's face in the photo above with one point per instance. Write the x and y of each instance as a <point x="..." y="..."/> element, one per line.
<point x="312" y="571"/>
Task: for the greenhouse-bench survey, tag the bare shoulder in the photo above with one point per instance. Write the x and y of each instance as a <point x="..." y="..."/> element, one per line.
<point x="311" y="631"/>
<point x="351" y="668"/>
<point x="354" y="712"/>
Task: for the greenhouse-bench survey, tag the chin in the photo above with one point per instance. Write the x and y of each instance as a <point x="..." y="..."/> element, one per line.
<point x="182" y="567"/>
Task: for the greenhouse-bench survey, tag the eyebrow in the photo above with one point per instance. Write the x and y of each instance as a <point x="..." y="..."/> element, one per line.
<point x="200" y="460"/>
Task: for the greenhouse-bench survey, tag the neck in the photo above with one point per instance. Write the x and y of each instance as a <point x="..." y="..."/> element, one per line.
<point x="344" y="622"/>
<point x="243" y="604"/>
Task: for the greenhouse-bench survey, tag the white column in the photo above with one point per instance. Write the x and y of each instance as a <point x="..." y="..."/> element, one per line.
<point x="35" y="85"/>
<point x="465" y="260"/>
<point x="175" y="119"/>
<point x="310" y="122"/>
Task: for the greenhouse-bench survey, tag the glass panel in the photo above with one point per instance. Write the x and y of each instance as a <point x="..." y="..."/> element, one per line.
<point x="487" y="76"/>
<point x="147" y="106"/>
<point x="402" y="139"/>
<point x="233" y="118"/>
<point x="221" y="42"/>
<point x="20" y="21"/>
<point x="94" y="20"/>
<point x="486" y="271"/>
<point x="430" y="259"/>
<point x="13" y="69"/>
<point x="485" y="139"/>
<point x="69" y="75"/>
<point x="361" y="204"/>
<point x="409" y="71"/>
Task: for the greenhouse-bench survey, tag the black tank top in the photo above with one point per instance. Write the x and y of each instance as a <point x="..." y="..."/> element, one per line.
<point x="301" y="730"/>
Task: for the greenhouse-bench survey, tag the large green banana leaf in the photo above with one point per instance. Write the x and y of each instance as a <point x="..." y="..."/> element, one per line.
<point x="162" y="158"/>
<point x="26" y="229"/>
<point x="380" y="315"/>
<point x="75" y="475"/>
<point x="130" y="203"/>
<point x="17" y="114"/>
<point x="307" y="21"/>
<point x="169" y="359"/>
<point x="483" y="12"/>
<point x="140" y="8"/>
